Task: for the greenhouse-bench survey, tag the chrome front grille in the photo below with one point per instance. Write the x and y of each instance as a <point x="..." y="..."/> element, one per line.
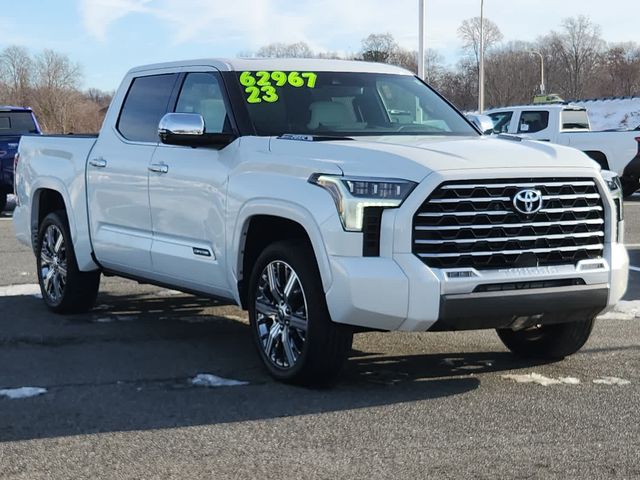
<point x="475" y="224"/>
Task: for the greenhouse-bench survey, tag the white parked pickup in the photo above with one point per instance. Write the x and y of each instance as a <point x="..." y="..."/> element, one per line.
<point x="566" y="124"/>
<point x="326" y="198"/>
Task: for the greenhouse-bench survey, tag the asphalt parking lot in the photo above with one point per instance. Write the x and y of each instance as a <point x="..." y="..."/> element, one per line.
<point x="118" y="401"/>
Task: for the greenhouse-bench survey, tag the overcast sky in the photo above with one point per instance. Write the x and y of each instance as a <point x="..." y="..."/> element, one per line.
<point x="107" y="37"/>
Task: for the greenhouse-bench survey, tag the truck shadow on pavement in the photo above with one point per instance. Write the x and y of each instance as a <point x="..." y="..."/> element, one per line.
<point x="128" y="366"/>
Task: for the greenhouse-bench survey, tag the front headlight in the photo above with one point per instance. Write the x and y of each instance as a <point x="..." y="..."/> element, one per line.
<point x="353" y="194"/>
<point x="615" y="187"/>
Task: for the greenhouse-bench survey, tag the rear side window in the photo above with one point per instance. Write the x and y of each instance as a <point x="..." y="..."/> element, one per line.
<point x="575" y="120"/>
<point x="532" y="122"/>
<point x="17" y="123"/>
<point x="146" y="103"/>
<point x="501" y="121"/>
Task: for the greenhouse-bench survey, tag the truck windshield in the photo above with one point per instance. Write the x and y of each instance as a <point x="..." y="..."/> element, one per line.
<point x="575" y="120"/>
<point x="16" y="123"/>
<point x="346" y="104"/>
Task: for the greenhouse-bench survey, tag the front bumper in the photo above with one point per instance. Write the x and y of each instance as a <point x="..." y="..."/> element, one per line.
<point x="402" y="293"/>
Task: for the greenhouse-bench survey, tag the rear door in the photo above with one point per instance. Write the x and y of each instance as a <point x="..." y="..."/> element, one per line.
<point x="535" y="124"/>
<point x="117" y="177"/>
<point x="187" y="192"/>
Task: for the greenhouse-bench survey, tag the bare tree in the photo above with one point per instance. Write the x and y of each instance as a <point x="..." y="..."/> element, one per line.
<point x="283" y="50"/>
<point x="469" y="33"/>
<point x="620" y="70"/>
<point x="56" y="95"/>
<point x="379" y="47"/>
<point x="576" y="52"/>
<point x="16" y="70"/>
<point x="512" y="75"/>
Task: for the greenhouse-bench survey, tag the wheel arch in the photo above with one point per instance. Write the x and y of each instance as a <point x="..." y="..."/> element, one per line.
<point x="261" y="225"/>
<point x="599" y="157"/>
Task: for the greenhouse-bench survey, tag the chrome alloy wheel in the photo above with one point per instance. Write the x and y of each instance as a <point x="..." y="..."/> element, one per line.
<point x="281" y="314"/>
<point x="53" y="263"/>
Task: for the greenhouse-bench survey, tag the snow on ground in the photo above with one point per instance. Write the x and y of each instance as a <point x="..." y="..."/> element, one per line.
<point x="209" y="380"/>
<point x="624" y="310"/>
<point x="541" y="379"/>
<point x="17" y="290"/>
<point x="621" y="113"/>
<point x="611" y="381"/>
<point x="22" y="392"/>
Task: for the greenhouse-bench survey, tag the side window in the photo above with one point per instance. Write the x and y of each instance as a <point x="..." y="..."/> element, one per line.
<point x="146" y="103"/>
<point x="501" y="121"/>
<point x="202" y="93"/>
<point x="532" y="122"/>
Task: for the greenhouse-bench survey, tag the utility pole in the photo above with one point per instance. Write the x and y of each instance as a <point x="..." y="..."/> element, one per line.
<point x="543" y="88"/>
<point x="421" y="40"/>
<point x="481" y="67"/>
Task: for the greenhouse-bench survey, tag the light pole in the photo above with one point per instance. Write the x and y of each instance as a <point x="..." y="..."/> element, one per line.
<point x="421" y="40"/>
<point x="542" y="85"/>
<point x="481" y="66"/>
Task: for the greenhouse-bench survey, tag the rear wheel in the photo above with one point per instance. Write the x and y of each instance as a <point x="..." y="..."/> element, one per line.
<point x="292" y="330"/>
<point x="549" y="342"/>
<point x="65" y="289"/>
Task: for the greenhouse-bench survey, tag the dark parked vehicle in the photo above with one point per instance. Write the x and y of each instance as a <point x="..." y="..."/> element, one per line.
<point x="14" y="122"/>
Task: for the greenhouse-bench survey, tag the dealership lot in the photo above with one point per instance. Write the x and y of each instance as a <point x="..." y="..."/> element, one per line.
<point x="118" y="398"/>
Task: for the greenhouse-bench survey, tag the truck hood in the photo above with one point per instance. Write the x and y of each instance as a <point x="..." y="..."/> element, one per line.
<point x="413" y="158"/>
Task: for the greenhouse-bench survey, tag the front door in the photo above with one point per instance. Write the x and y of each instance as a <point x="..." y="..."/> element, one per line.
<point x="187" y="192"/>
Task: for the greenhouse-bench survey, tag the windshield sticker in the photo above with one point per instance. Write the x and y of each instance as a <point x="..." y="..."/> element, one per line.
<point x="261" y="86"/>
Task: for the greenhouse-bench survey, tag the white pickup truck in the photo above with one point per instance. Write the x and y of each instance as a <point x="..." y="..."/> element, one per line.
<point x="566" y="124"/>
<point x="326" y="198"/>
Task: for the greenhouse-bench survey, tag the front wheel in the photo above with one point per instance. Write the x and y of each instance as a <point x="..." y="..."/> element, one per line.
<point x="549" y="342"/>
<point x="65" y="289"/>
<point x="292" y="329"/>
<point x="3" y="201"/>
<point x="629" y="186"/>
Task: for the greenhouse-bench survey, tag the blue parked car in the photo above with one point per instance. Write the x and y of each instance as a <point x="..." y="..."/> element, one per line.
<point x="14" y="122"/>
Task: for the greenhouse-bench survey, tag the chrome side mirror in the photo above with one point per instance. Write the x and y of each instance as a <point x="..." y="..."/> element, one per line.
<point x="180" y="124"/>
<point x="188" y="129"/>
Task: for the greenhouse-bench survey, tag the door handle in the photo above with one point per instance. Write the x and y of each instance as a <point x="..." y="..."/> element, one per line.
<point x="159" y="168"/>
<point x="98" y="162"/>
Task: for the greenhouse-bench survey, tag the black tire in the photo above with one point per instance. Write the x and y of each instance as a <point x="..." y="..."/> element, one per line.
<point x="549" y="342"/>
<point x="629" y="186"/>
<point x="71" y="292"/>
<point x="323" y="347"/>
<point x="3" y="201"/>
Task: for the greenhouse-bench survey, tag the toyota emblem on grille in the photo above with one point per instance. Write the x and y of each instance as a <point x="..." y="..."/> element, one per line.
<point x="528" y="201"/>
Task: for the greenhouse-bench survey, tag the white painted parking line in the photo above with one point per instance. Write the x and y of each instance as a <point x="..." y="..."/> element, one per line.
<point x="635" y="269"/>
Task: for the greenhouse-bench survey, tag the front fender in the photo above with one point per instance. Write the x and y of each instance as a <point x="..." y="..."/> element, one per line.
<point x="279" y="208"/>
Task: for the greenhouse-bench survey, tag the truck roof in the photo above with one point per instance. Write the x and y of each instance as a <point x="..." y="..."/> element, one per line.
<point x="539" y="106"/>
<point x="285" y="64"/>
<point x="11" y="108"/>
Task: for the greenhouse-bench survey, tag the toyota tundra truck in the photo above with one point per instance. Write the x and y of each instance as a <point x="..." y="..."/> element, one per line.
<point x="325" y="197"/>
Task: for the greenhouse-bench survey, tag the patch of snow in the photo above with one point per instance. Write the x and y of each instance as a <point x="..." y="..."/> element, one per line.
<point x="21" y="290"/>
<point x="569" y="380"/>
<point x="451" y="362"/>
<point x="168" y="293"/>
<point x="611" y="381"/>
<point x="621" y="113"/>
<point x="624" y="310"/>
<point x="541" y="379"/>
<point x="209" y="380"/>
<point x="22" y="392"/>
